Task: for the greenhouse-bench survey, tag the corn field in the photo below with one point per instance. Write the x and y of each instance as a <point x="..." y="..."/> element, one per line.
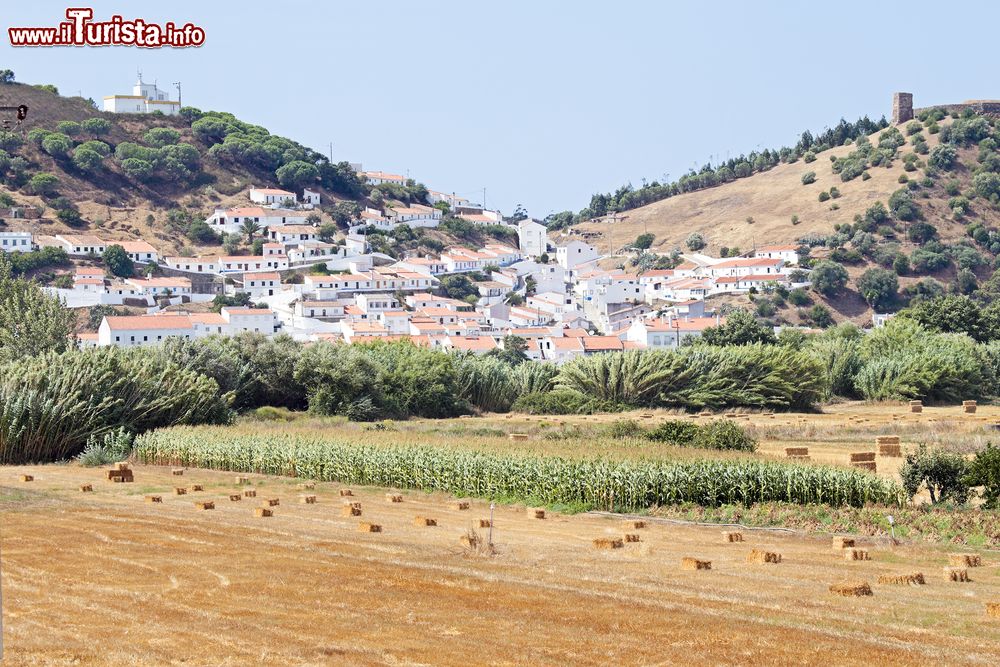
<point x="634" y="485"/>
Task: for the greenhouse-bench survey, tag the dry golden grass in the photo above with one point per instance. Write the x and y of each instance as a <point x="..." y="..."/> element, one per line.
<point x="227" y="588"/>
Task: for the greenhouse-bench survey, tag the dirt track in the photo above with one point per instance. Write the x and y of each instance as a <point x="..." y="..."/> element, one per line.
<point x="106" y="578"/>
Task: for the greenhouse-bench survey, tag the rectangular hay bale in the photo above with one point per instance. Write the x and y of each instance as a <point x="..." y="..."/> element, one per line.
<point x="637" y="524"/>
<point x="518" y="436"/>
<point x="350" y="510"/>
<point x="460" y="505"/>
<point x="965" y="560"/>
<point x="154" y="499"/>
<point x="890" y="449"/>
<point x="842" y="542"/>
<point x="177" y="471"/>
<point x="688" y="563"/>
<point x="870" y="466"/>
<point x="250" y="493"/>
<point x="262" y="512"/>
<point x="485" y="523"/>
<point x="393" y="498"/>
<point x="857" y="457"/>
<point x="197" y="487"/>
<point x="241" y="481"/>
<point x="608" y="543"/>
<point x="369" y="528"/>
<point x="205" y="505"/>
<point x="86" y="488"/>
<point x="796" y="451"/>
<point x="913" y="579"/>
<point x="307" y="500"/>
<point x="234" y="497"/>
<point x="887" y="440"/>
<point x="344" y="493"/>
<point x="731" y="536"/>
<point x="27" y="478"/>
<point x="271" y="502"/>
<point x="761" y="556"/>
<point x="852" y="589"/>
<point x="539" y="513"/>
<point x="424" y="521"/>
<point x="959" y="574"/>
<point x="631" y="537"/>
<point x="180" y="491"/>
<point x="856" y="554"/>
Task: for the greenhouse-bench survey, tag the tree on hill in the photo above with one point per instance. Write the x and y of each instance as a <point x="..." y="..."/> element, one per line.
<point x="118" y="261"/>
<point x="879" y="287"/>
<point x="828" y="278"/>
<point x="644" y="241"/>
<point x="43" y="183"/>
<point x="297" y="174"/>
<point x="96" y="126"/>
<point x="250" y="228"/>
<point x="6" y="76"/>
<point x="956" y="314"/>
<point x="695" y="242"/>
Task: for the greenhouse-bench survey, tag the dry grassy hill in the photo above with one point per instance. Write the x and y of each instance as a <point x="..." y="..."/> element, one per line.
<point x="113" y="205"/>
<point x="771" y="198"/>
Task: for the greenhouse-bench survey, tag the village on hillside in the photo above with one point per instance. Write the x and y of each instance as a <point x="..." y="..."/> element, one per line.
<point x="557" y="298"/>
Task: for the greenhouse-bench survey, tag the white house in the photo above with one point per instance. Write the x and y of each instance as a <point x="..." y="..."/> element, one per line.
<point x="79" y="245"/>
<point x="230" y="221"/>
<point x="16" y="241"/>
<point x="670" y="332"/>
<point x="269" y="196"/>
<point x="193" y="264"/>
<point x="453" y="200"/>
<point x="260" y="284"/>
<point x="244" y="263"/>
<point x="258" y="320"/>
<point x="575" y="254"/>
<point x="415" y="215"/>
<point x="128" y="331"/>
<point x="532" y="238"/>
<point x="789" y="254"/>
<point x="380" y="177"/>
<point x="320" y="309"/>
<point x="310" y="198"/>
<point x="292" y="234"/>
<point x="140" y="251"/>
<point x="745" y="267"/>
<point x="158" y="286"/>
<point x="145" y="98"/>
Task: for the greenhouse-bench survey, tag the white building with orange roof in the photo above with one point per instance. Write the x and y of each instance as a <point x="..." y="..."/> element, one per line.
<point x="257" y="320"/>
<point x="16" y="242"/>
<point x="252" y="263"/>
<point x="372" y="217"/>
<point x="271" y="196"/>
<point x="323" y="310"/>
<point x="396" y="322"/>
<point x="576" y="254"/>
<point x="559" y="349"/>
<point x="292" y="234"/>
<point x="524" y="316"/>
<point x="453" y="200"/>
<point x="261" y="284"/>
<point x="748" y="282"/>
<point x="669" y="332"/>
<point x="380" y="177"/>
<point x="204" y="264"/>
<point x="230" y="221"/>
<point x="789" y="254"/>
<point x="75" y="245"/>
<point x="745" y="266"/>
<point x="354" y="331"/>
<point x="414" y="215"/>
<point x="159" y="286"/>
<point x="474" y="344"/>
<point x="429" y="265"/>
<point x="138" y="330"/>
<point x="140" y="251"/>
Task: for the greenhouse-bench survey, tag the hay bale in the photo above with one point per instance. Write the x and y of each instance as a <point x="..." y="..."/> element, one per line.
<point x="460" y="505"/>
<point x="197" y="487"/>
<point x="761" y="556"/>
<point x="993" y="609"/>
<point x="842" y="542"/>
<point x="393" y="498"/>
<point x="965" y="560"/>
<point x="262" y="512"/>
<point x="271" y="502"/>
<point x="177" y="471"/>
<point x="345" y="493"/>
<point x="856" y="554"/>
<point x="154" y="499"/>
<point x="424" y="521"/>
<point x="608" y="543"/>
<point x="86" y="488"/>
<point x="307" y="486"/>
<point x="369" y="528"/>
<point x="631" y="537"/>
<point x="860" y="457"/>
<point x="241" y="481"/>
<point x="646" y="416"/>
<point x="122" y="465"/>
<point x="688" y="563"/>
<point x="234" y="497"/>
<point x="795" y="452"/>
<point x="870" y="466"/>
<point x="959" y="574"/>
<point x="485" y="523"/>
<point x="518" y="436"/>
<point x="250" y="493"/>
<point x="887" y="440"/>
<point x="122" y="476"/>
<point x="470" y="540"/>
<point x="916" y="407"/>
<point x="180" y="491"/>
<point x="914" y="579"/>
<point x="637" y="524"/>
<point x="969" y="407"/>
<point x="539" y="513"/>
<point x="890" y="449"/>
<point x="350" y="510"/>
<point x="851" y="589"/>
<point x="729" y="536"/>
<point x="27" y="478"/>
<point x="205" y="505"/>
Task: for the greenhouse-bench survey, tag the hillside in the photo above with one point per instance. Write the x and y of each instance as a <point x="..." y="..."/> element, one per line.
<point x="945" y="205"/>
<point x="118" y="205"/>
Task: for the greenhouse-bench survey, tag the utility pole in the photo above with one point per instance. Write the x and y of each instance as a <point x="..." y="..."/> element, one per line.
<point x="611" y="237"/>
<point x="484" y="198"/>
<point x="331" y="151"/>
<point x="178" y="84"/>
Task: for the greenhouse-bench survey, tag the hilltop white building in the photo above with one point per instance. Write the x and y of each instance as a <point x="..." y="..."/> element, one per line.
<point x="532" y="237"/>
<point x="145" y="98"/>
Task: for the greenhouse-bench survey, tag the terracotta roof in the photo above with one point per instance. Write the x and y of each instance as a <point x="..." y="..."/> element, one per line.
<point x="271" y="275"/>
<point x="248" y="311"/>
<point x="208" y="318"/>
<point x="601" y="343"/>
<point x="134" y="246"/>
<point x="271" y="191"/>
<point x="472" y="342"/>
<point x="748" y="261"/>
<point x="140" y="322"/>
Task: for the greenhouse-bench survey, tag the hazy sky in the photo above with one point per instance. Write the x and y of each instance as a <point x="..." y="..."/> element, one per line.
<point x="543" y="103"/>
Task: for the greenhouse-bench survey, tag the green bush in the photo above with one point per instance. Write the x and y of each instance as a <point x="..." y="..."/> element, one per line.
<point x="675" y="432"/>
<point x="808" y="177"/>
<point x="984" y="471"/>
<point x="562" y="402"/>
<point x="725" y="434"/>
<point x="113" y="446"/>
<point x="624" y="428"/>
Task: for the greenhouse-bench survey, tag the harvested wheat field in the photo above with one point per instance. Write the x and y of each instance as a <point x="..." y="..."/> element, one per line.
<point x="108" y="578"/>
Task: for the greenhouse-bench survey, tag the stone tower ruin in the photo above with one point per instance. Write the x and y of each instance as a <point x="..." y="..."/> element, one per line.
<point x="902" y="107"/>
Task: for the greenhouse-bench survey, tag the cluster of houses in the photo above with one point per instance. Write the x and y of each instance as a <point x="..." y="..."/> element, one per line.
<point x="556" y="297"/>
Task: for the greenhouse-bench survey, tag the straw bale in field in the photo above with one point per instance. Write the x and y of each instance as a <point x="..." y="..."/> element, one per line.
<point x="369" y="528"/>
<point x="350" y="510"/>
<point x="154" y="499"/>
<point x="86" y="487"/>
<point x="631" y="537"/>
<point x="235" y="497"/>
<point x="913" y="579"/>
<point x="197" y="487"/>
<point x="346" y="492"/>
<point x="205" y="505"/>
<point x="424" y="521"/>
<point x="393" y="498"/>
<point x="307" y="500"/>
<point x="460" y="505"/>
<point x="761" y="556"/>
<point x="539" y="513"/>
<point x="250" y="493"/>
<point x="856" y="554"/>
<point x="485" y="523"/>
<point x="851" y="589"/>
<point x="635" y="525"/>
<point x="608" y="543"/>
<point x="956" y="574"/>
<point x="177" y="471"/>
<point x="688" y="563"/>
<point x="180" y="490"/>
<point x="993" y="609"/>
<point x="730" y="536"/>
<point x="965" y="560"/>
<point x="262" y="512"/>
<point x="27" y="478"/>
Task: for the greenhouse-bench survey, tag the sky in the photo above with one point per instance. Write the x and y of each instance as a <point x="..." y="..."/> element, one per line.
<point x="542" y="103"/>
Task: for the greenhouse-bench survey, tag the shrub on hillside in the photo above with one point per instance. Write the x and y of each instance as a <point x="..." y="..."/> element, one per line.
<point x="725" y="434"/>
<point x="941" y="472"/>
